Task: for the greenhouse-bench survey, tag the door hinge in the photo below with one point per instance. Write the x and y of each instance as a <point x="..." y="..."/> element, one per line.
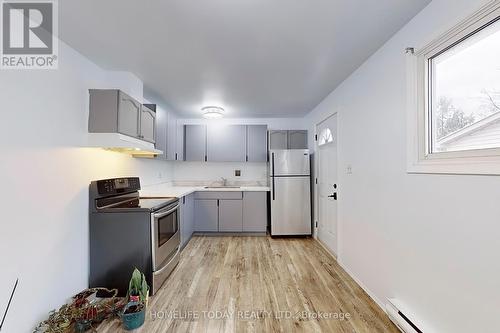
<point x="205" y="158"/>
<point x="316" y="181"/>
<point x="316" y="224"/>
<point x="176" y="156"/>
<point x="315" y="137"/>
<point x="217" y="203"/>
<point x="247" y="158"/>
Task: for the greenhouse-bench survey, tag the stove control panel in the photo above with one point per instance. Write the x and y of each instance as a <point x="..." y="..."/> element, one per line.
<point x="118" y="185"/>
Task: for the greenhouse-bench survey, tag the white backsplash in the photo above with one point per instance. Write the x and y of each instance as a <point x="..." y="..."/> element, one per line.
<point x="210" y="173"/>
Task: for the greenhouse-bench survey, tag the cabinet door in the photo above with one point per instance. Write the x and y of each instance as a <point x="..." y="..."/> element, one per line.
<point x="184" y="221"/>
<point x="297" y="139"/>
<point x="190" y="210"/>
<point x="196" y="136"/>
<point x="171" y="136"/>
<point x="148" y="124"/>
<point x="256" y="143"/>
<point x="129" y="112"/>
<point x="161" y="132"/>
<point x="254" y="211"/>
<point x="226" y="143"/>
<point x="179" y="150"/>
<point x="230" y="215"/>
<point x="278" y="139"/>
<point x="206" y="215"/>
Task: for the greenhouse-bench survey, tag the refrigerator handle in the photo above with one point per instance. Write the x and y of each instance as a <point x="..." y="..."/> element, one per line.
<point x="272" y="166"/>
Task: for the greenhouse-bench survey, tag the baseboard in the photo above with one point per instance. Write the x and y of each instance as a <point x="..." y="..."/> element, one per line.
<point x="232" y="234"/>
<point x="362" y="285"/>
<point x="348" y="271"/>
<point x="326" y="248"/>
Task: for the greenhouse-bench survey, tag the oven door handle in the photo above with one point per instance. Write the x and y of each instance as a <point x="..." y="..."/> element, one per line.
<point x="162" y="214"/>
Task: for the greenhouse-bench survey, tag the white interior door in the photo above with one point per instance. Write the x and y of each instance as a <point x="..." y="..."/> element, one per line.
<point x="327" y="182"/>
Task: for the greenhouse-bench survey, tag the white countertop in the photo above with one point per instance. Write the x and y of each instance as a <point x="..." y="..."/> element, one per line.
<point x="168" y="190"/>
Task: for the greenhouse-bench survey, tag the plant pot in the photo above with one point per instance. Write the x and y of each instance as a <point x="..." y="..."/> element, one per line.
<point x="133" y="320"/>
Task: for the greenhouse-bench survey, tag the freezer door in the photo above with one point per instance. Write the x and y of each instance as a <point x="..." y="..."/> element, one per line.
<point x="291" y="162"/>
<point x="290" y="206"/>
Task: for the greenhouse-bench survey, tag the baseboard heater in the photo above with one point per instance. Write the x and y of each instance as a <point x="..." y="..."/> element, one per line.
<point x="401" y="318"/>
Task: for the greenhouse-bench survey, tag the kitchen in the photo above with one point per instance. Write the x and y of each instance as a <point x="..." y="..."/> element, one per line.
<point x="260" y="177"/>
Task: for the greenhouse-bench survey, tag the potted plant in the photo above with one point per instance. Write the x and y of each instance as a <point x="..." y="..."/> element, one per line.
<point x="134" y="312"/>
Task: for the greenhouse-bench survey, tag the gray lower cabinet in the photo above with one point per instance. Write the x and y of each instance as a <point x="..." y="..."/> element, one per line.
<point x="257" y="143"/>
<point x="230" y="212"/>
<point x="230" y="215"/>
<point x="297" y="139"/>
<point x="195" y="142"/>
<point x="278" y="139"/>
<point x="187" y="218"/>
<point x="226" y="143"/>
<point x="206" y="215"/>
<point x="254" y="211"/>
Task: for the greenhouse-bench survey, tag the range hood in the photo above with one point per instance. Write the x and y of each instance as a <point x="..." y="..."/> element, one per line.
<point x="122" y="143"/>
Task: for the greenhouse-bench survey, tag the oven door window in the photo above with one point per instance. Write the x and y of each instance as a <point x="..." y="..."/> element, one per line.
<point x="167" y="227"/>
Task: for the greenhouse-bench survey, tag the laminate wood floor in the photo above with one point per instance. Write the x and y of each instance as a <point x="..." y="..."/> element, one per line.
<point x="259" y="284"/>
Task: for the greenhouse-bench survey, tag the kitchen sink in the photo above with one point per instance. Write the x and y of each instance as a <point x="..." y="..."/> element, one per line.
<point x="221" y="186"/>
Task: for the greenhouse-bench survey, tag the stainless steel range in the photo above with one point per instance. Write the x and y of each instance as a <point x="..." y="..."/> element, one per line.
<point x="129" y="231"/>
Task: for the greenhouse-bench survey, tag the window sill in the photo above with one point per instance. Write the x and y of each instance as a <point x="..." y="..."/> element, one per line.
<point x="456" y="166"/>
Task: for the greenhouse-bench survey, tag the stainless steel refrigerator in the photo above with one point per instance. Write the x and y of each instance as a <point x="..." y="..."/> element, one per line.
<point x="290" y="181"/>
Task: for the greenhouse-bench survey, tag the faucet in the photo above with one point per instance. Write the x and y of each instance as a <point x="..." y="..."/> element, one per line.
<point x="224" y="181"/>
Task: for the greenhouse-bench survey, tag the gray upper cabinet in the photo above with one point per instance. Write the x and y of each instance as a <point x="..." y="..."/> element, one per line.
<point x="148" y="124"/>
<point x="161" y="130"/>
<point x="297" y="139"/>
<point x="288" y="139"/>
<point x="226" y="143"/>
<point x="206" y="215"/>
<point x="278" y="139"/>
<point x="230" y="215"/>
<point x="257" y="143"/>
<point x="195" y="142"/>
<point x="113" y="111"/>
<point x="254" y="211"/>
<point x="179" y="143"/>
<point x="128" y="115"/>
<point x="171" y="136"/>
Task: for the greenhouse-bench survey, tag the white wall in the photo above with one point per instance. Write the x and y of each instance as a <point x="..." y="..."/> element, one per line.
<point x="44" y="173"/>
<point x="431" y="241"/>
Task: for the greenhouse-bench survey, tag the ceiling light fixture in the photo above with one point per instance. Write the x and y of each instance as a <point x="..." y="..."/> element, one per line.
<point x="212" y="112"/>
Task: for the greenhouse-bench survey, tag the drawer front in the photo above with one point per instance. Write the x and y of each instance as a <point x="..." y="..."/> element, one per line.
<point x="229" y="195"/>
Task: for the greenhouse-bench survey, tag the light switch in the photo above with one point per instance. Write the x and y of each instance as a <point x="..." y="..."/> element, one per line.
<point x="237" y="173"/>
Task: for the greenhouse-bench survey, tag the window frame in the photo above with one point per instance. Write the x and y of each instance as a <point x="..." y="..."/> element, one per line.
<point x="420" y="157"/>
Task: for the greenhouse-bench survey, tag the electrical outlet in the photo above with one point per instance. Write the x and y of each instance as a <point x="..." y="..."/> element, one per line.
<point x="349" y="169"/>
<point x="237" y="173"/>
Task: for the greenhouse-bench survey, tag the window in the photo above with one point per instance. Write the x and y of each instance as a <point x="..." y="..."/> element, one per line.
<point x="325" y="137"/>
<point x="465" y="93"/>
<point x="454" y="99"/>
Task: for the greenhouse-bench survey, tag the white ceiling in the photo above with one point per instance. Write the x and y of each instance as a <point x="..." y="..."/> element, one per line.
<point x="255" y="58"/>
